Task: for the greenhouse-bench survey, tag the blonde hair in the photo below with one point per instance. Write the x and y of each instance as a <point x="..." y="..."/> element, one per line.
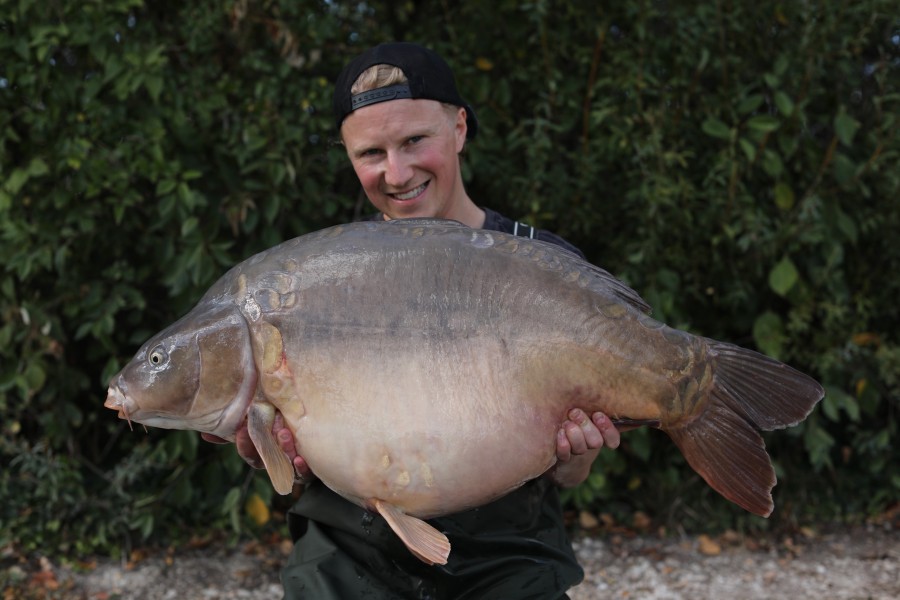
<point x="378" y="76"/>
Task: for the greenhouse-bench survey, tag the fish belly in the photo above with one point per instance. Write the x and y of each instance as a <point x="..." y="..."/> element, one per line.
<point x="435" y="424"/>
<point x="432" y="431"/>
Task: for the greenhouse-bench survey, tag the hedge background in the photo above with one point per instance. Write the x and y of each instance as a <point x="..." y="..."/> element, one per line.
<point x="736" y="163"/>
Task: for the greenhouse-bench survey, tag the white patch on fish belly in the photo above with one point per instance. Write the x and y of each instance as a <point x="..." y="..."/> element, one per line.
<point x="402" y="478"/>
<point x="427" y="475"/>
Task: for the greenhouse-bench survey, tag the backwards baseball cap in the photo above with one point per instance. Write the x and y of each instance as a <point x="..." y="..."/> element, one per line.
<point x="428" y="77"/>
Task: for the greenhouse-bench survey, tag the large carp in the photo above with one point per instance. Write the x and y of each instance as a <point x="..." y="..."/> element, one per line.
<point x="425" y="367"/>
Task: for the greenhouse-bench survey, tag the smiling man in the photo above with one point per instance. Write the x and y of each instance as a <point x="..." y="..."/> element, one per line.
<point x="404" y="125"/>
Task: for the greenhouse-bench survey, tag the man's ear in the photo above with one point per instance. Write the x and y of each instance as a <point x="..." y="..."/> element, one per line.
<point x="461" y="128"/>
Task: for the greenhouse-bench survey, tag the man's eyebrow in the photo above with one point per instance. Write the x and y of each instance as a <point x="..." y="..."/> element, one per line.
<point x="361" y="149"/>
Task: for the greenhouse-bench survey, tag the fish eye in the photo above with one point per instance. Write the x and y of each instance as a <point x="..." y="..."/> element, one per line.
<point x="157" y="356"/>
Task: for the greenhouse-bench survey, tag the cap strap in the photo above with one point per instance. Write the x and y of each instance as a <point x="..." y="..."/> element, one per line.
<point x="383" y="94"/>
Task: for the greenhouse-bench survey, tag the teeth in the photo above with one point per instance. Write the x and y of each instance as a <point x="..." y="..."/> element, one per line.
<point x="412" y="193"/>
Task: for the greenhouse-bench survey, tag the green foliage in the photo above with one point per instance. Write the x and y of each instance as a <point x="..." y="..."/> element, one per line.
<point x="737" y="164"/>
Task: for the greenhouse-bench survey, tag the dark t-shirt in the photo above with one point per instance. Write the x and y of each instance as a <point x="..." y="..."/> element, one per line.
<point x="514" y="548"/>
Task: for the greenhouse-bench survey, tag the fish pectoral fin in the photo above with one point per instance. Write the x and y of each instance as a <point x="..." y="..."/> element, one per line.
<point x="260" y="418"/>
<point x="427" y="543"/>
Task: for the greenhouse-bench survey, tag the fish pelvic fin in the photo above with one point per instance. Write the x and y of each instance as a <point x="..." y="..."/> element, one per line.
<point x="260" y="417"/>
<point x="750" y="392"/>
<point x="427" y="543"/>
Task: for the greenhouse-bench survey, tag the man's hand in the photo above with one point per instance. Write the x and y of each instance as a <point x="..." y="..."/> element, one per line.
<point x="248" y="452"/>
<point x="578" y="442"/>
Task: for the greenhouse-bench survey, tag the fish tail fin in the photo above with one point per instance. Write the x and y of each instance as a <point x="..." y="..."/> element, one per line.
<point x="750" y="392"/>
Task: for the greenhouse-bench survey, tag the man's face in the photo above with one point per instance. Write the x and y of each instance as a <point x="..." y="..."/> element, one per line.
<point x="405" y="153"/>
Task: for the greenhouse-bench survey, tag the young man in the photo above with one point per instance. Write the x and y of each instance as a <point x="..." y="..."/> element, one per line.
<point x="403" y="125"/>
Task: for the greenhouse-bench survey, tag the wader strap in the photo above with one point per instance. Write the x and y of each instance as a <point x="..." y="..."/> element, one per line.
<point x="523" y="230"/>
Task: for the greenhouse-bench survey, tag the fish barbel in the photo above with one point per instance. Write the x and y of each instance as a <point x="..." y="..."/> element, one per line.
<point x="425" y="367"/>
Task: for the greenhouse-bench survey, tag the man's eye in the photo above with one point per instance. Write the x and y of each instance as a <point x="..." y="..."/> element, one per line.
<point x="416" y="139"/>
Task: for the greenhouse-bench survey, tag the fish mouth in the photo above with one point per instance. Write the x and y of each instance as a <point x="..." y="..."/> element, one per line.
<point x="117" y="401"/>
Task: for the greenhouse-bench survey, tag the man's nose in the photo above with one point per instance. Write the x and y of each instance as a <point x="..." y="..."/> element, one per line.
<point x="398" y="171"/>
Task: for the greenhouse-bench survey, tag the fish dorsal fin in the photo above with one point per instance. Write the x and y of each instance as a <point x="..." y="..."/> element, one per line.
<point x="427" y="543"/>
<point x="260" y="418"/>
<point x="605" y="280"/>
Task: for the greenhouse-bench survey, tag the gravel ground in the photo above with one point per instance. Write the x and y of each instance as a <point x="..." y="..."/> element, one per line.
<point x="846" y="563"/>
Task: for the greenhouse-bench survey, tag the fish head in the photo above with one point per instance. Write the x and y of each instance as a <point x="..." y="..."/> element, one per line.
<point x="196" y="374"/>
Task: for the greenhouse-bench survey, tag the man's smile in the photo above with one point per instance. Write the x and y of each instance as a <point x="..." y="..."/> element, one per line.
<point x="416" y="191"/>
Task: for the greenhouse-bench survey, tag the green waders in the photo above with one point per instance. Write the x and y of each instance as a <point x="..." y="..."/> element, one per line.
<point x="515" y="548"/>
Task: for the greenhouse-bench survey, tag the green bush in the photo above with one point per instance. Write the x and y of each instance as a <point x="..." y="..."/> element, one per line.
<point x="736" y="164"/>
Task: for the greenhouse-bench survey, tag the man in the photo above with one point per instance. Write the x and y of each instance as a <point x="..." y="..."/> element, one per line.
<point x="403" y="125"/>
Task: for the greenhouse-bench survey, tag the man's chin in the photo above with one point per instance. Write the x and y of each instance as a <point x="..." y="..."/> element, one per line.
<point x="409" y="210"/>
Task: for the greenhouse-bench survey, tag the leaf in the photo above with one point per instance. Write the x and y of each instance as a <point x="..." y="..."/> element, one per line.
<point x="715" y="128"/>
<point x="783" y="277"/>
<point x="16" y="180"/>
<point x="748" y="147"/>
<point x="837" y="399"/>
<point x="768" y="333"/>
<point x="818" y="443"/>
<point x="257" y="510"/>
<point x="846" y="225"/>
<point x="704" y="59"/>
<point x="845" y="127"/>
<point x="781" y="65"/>
<point x="784" y="103"/>
<point x="231" y="500"/>
<point x="772" y="163"/>
<point x="165" y="186"/>
<point x="763" y="123"/>
<point x="189" y="225"/>
<point x="749" y="104"/>
<point x="706" y="545"/>
<point x="153" y="84"/>
<point x="35" y="376"/>
<point x="639" y="444"/>
<point x="844" y="168"/>
<point x="484" y="64"/>
<point x="784" y="196"/>
<point x="37" y="167"/>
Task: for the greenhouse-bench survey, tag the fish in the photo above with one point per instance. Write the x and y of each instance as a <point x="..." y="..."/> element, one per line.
<point x="424" y="368"/>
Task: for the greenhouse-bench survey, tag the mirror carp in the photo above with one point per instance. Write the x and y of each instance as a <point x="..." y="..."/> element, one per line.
<point x="424" y="368"/>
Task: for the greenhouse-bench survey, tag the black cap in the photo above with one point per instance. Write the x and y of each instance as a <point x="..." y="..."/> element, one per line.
<point x="429" y="77"/>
